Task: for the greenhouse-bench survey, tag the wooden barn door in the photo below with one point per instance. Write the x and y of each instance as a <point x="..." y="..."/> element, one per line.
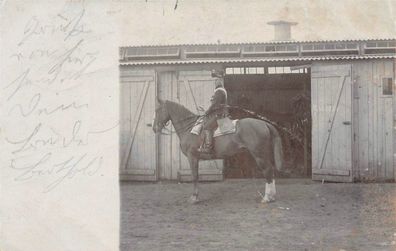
<point x="137" y="139"/>
<point x="192" y="89"/>
<point x="331" y="122"/>
<point x="374" y="95"/>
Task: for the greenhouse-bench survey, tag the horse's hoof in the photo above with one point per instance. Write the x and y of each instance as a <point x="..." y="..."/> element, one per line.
<point x="194" y="199"/>
<point x="267" y="199"/>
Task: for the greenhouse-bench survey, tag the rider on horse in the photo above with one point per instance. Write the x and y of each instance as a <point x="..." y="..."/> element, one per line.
<point x="216" y="111"/>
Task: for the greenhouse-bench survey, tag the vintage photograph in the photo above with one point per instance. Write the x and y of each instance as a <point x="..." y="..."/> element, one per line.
<point x="198" y="125"/>
<point x="279" y="136"/>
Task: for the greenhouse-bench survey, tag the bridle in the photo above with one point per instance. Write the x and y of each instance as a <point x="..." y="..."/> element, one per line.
<point x="163" y="125"/>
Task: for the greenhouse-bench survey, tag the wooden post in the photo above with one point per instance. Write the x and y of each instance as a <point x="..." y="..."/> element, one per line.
<point x="305" y="151"/>
<point x="305" y="142"/>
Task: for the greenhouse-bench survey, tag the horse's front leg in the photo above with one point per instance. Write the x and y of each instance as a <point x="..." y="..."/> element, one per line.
<point x="194" y="171"/>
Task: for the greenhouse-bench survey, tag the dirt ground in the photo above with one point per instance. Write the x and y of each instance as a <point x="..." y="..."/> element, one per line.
<point x="306" y="216"/>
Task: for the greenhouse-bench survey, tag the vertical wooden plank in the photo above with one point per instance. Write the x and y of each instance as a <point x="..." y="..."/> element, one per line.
<point x="150" y="153"/>
<point x="336" y="83"/>
<point x="343" y="115"/>
<point x="164" y="140"/>
<point x="161" y="92"/>
<point x="149" y="110"/>
<point x="394" y="118"/>
<point x="375" y="126"/>
<point x="136" y="102"/>
<point x="323" y="130"/>
<point x="315" y="122"/>
<point x="138" y="146"/>
<point x="326" y="89"/>
<point x="175" y="144"/>
<point x="355" y="121"/>
<point x="306" y="167"/>
<point x="315" y="108"/>
<point x="347" y="116"/>
<point x="339" y="155"/>
<point x="368" y="122"/>
<point x="339" y="145"/>
<point x="330" y="88"/>
<point x="381" y="120"/>
<point x="364" y="77"/>
<point x="368" y="117"/>
<point x="388" y="137"/>
<point x="371" y="122"/>
<point x="318" y="121"/>
<point x="388" y="124"/>
<point x="338" y="131"/>
<point x="380" y="125"/>
<point x="125" y="118"/>
<point x="189" y="101"/>
<point x="314" y="126"/>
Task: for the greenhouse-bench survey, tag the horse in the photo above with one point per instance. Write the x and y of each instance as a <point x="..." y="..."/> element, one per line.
<point x="260" y="138"/>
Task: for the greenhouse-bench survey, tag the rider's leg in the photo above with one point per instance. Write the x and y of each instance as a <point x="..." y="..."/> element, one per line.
<point x="209" y="139"/>
<point x="208" y="128"/>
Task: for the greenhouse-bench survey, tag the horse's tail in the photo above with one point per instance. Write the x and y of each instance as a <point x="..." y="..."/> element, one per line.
<point x="278" y="150"/>
<point x="278" y="153"/>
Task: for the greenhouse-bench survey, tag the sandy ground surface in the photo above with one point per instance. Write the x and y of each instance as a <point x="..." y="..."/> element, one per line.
<point x="306" y="216"/>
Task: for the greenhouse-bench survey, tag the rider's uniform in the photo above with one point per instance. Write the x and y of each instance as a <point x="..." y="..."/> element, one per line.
<point x="216" y="109"/>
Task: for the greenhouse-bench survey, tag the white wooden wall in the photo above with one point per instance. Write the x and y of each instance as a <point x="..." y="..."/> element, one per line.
<point x="370" y="141"/>
<point x="331" y="122"/>
<point x="137" y="139"/>
<point x="374" y="121"/>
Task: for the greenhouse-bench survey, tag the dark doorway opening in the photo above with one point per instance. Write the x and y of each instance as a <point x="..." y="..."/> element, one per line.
<point x="282" y="94"/>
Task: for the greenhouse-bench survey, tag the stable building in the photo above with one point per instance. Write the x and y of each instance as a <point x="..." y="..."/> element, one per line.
<point x="350" y="84"/>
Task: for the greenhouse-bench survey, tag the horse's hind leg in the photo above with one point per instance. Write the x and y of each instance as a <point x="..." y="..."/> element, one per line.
<point x="267" y="167"/>
<point x="194" y="171"/>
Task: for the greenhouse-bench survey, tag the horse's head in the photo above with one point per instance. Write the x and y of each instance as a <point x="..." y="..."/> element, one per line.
<point x="161" y="116"/>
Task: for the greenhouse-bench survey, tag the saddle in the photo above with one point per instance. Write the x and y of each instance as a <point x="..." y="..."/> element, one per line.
<point x="225" y="126"/>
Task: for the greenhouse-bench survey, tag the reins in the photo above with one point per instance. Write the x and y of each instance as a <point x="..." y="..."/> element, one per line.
<point x="177" y="122"/>
<point x="261" y="117"/>
<point x="246" y="111"/>
<point x="189" y="125"/>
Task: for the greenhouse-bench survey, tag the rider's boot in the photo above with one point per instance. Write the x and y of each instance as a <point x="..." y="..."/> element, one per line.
<point x="207" y="146"/>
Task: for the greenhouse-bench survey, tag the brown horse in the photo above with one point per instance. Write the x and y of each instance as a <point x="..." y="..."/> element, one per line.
<point x="259" y="138"/>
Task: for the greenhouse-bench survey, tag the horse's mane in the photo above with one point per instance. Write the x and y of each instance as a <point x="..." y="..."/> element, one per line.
<point x="180" y="109"/>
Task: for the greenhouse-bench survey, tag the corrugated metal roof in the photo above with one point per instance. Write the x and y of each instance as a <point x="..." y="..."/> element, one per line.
<point x="267" y="42"/>
<point x="258" y="60"/>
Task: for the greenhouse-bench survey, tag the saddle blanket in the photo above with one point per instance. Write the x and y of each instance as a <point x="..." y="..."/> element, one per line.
<point x="225" y="126"/>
